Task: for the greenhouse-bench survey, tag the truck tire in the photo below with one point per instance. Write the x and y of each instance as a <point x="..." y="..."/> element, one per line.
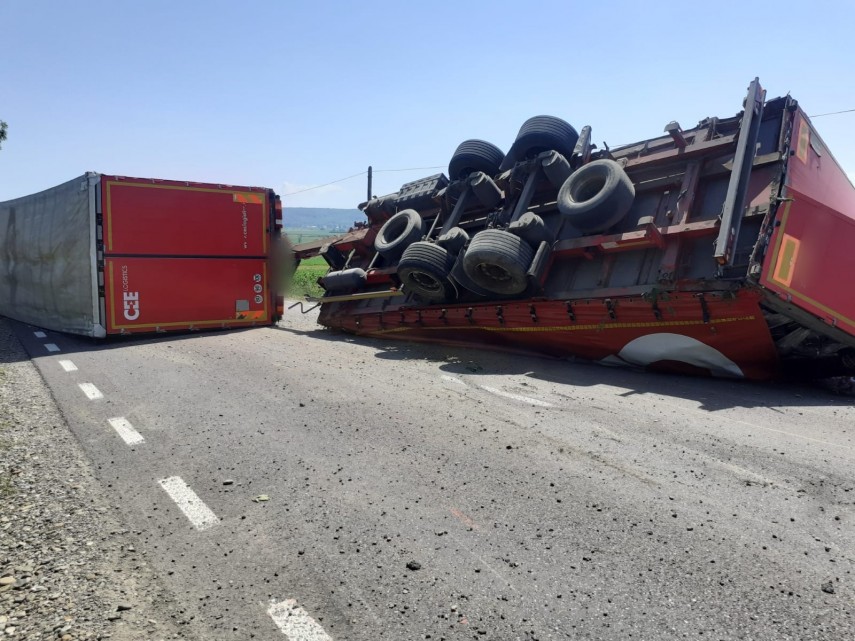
<point x="541" y="133"/>
<point x="398" y="232"/>
<point x="596" y="196"/>
<point x="497" y="261"/>
<point x="453" y="240"/>
<point x="424" y="269"/>
<point x="475" y="155"/>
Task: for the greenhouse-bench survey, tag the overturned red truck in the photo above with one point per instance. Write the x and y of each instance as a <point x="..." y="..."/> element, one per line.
<point x="104" y="254"/>
<point x="723" y="249"/>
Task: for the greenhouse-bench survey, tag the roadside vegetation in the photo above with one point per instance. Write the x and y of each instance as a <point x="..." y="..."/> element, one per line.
<point x="304" y="283"/>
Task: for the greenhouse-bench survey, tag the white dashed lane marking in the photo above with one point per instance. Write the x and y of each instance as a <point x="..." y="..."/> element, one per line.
<point x="124" y="429"/>
<point x="194" y="509"/>
<point x="68" y="366"/>
<point x="51" y="347"/>
<point x="39" y="334"/>
<point x="452" y="379"/>
<point x="516" y="397"/>
<point x="295" y="622"/>
<point x="92" y="392"/>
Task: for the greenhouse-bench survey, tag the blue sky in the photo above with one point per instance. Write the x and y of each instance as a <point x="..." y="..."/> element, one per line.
<point x="289" y="95"/>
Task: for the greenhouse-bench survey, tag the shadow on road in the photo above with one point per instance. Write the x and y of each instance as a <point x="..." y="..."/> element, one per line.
<point x="74" y="344"/>
<point x="711" y="394"/>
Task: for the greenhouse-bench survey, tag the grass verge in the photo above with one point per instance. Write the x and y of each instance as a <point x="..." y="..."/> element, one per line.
<point x="304" y="281"/>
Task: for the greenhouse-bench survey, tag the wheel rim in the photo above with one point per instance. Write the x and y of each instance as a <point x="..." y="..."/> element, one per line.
<point x="425" y="281"/>
<point x="494" y="272"/>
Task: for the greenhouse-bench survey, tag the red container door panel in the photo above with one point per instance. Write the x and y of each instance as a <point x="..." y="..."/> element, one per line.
<point x="812" y="260"/>
<point x="147" y="294"/>
<point x="812" y="253"/>
<point x="167" y="218"/>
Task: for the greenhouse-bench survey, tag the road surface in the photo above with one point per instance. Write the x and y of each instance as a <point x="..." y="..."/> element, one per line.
<point x="293" y="483"/>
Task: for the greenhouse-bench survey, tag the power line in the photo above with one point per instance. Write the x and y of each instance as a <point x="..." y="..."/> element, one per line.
<point x="333" y="182"/>
<point x="377" y="171"/>
<point x="361" y="173"/>
<point x="832" y="113"/>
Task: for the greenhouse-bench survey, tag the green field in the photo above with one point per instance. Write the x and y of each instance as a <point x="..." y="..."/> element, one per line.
<point x="304" y="281"/>
<point x="305" y="278"/>
<point x="299" y="235"/>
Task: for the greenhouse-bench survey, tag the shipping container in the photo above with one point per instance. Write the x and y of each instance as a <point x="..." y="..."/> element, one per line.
<point x="103" y="255"/>
<point x="724" y="248"/>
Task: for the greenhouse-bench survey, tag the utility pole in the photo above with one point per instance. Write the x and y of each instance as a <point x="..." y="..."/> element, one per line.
<point x="369" y="183"/>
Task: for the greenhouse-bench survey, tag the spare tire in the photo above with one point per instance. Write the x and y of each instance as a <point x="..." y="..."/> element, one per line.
<point x="497" y="261"/>
<point x="541" y="133"/>
<point x="398" y="232"/>
<point x="475" y="155"/>
<point x="596" y="196"/>
<point x="424" y="269"/>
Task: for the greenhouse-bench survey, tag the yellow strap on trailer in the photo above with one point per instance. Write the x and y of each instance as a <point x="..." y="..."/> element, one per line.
<point x="360" y="296"/>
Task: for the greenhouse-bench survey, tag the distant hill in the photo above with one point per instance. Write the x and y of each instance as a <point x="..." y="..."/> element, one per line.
<point x="327" y="220"/>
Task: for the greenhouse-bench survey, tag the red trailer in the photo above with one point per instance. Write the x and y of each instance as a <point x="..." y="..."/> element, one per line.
<point x="114" y="255"/>
<point x="723" y="249"/>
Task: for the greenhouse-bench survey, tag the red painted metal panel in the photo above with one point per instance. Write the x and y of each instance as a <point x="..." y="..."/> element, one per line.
<point x="170" y="218"/>
<point x="812" y="257"/>
<point x="730" y="339"/>
<point x="814" y="172"/>
<point x="152" y="294"/>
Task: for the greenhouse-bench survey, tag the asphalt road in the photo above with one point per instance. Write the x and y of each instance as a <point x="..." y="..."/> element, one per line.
<point x="349" y="489"/>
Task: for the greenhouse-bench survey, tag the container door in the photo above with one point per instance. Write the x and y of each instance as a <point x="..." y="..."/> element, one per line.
<point x="169" y="218"/>
<point x="146" y="294"/>
<point x="811" y="261"/>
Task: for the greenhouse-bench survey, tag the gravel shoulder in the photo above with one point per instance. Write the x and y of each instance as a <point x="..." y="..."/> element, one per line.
<point x="68" y="568"/>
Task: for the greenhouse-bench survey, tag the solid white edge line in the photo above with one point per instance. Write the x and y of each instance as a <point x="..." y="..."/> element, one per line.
<point x="124" y="429"/>
<point x="39" y="334"/>
<point x="92" y="392"/>
<point x="295" y="623"/>
<point x="516" y="397"/>
<point x="452" y="379"/>
<point x="199" y="514"/>
<point x="52" y="347"/>
<point x="68" y="366"/>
